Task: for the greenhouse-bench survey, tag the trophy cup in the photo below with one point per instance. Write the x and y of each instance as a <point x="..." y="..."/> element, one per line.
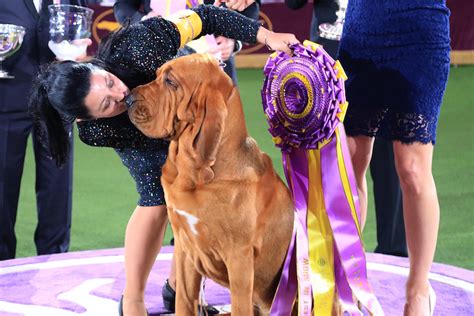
<point x="11" y="37"/>
<point x="334" y="31"/>
<point x="69" y="27"/>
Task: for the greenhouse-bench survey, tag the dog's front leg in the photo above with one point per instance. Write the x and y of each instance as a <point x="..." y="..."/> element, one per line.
<point x="241" y="275"/>
<point x="188" y="283"/>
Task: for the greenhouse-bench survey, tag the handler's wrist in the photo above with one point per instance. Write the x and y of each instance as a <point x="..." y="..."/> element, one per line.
<point x="262" y="34"/>
<point x="266" y="40"/>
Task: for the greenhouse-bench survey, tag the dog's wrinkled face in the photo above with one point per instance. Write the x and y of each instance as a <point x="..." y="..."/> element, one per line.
<point x="178" y="96"/>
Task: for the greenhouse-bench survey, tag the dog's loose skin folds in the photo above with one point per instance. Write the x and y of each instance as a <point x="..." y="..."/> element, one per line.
<point x="231" y="214"/>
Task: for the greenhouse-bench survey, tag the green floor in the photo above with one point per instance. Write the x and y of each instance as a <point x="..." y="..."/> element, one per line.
<point x="104" y="193"/>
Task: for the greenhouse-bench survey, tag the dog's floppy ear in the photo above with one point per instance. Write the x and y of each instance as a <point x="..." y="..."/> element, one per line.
<point x="210" y="120"/>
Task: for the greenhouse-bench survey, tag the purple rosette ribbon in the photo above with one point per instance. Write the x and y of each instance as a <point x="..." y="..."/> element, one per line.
<point x="301" y="97"/>
<point x="304" y="101"/>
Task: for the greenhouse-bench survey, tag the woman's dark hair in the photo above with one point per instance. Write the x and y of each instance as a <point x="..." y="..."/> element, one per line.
<point x="57" y="99"/>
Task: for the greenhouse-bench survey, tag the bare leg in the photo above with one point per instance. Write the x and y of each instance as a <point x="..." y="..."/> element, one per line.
<point x="421" y="212"/>
<point x="143" y="240"/>
<point x="360" y="148"/>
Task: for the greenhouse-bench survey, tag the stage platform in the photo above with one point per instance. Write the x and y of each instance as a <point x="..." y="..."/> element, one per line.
<point x="90" y="283"/>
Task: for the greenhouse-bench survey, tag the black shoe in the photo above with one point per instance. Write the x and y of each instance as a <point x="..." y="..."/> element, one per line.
<point x="169" y="301"/>
<point x="120" y="307"/>
<point x="169" y="297"/>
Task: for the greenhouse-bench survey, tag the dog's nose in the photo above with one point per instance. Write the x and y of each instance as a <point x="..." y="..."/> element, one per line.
<point x="129" y="100"/>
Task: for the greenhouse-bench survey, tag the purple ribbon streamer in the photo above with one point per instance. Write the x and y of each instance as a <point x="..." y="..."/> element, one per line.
<point x="288" y="286"/>
<point x="346" y="236"/>
<point x="299" y="181"/>
<point x="286" y="292"/>
<point x="282" y="304"/>
<point x="343" y="288"/>
<point x="298" y="178"/>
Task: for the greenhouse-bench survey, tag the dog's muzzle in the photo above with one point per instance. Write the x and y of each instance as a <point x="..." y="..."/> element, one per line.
<point x="129" y="100"/>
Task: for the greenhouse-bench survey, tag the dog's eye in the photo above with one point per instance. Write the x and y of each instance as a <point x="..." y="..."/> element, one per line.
<point x="171" y="83"/>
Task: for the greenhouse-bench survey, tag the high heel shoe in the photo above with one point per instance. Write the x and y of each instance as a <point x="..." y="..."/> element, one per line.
<point x="120" y="307"/>
<point x="169" y="301"/>
<point x="432" y="300"/>
<point x="431" y="303"/>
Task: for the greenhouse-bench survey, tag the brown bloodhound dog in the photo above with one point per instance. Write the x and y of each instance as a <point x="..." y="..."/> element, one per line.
<point x="232" y="216"/>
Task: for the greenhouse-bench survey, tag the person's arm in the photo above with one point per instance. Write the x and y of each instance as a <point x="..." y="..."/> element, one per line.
<point x="128" y="9"/>
<point x="207" y="19"/>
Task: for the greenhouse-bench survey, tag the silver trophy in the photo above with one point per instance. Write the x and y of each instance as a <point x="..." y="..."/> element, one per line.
<point x="334" y="31"/>
<point x="11" y="37"/>
<point x="69" y="29"/>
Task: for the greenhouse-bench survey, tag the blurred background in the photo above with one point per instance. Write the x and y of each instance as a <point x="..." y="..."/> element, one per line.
<point x="102" y="193"/>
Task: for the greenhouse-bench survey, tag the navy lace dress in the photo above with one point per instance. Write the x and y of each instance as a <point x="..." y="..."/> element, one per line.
<point x="145" y="47"/>
<point x="396" y="56"/>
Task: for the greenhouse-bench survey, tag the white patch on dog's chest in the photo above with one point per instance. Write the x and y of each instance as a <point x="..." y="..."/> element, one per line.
<point x="192" y="220"/>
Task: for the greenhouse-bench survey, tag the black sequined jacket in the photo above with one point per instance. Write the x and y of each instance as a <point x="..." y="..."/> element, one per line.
<point x="146" y="46"/>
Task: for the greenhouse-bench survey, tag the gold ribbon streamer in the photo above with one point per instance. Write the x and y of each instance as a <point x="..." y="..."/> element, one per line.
<point x="345" y="181"/>
<point x="320" y="241"/>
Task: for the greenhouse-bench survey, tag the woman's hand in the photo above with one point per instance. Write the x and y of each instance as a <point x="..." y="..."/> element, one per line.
<point x="238" y="5"/>
<point x="80" y="43"/>
<point x="276" y="41"/>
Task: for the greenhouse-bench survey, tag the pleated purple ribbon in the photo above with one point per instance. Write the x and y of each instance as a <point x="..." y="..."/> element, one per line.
<point x="301" y="97"/>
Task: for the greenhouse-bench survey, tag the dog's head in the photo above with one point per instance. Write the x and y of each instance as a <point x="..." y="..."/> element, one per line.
<point x="183" y="91"/>
<point x="186" y="102"/>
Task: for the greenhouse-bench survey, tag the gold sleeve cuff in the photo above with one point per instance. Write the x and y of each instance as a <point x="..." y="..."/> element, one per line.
<point x="189" y="25"/>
